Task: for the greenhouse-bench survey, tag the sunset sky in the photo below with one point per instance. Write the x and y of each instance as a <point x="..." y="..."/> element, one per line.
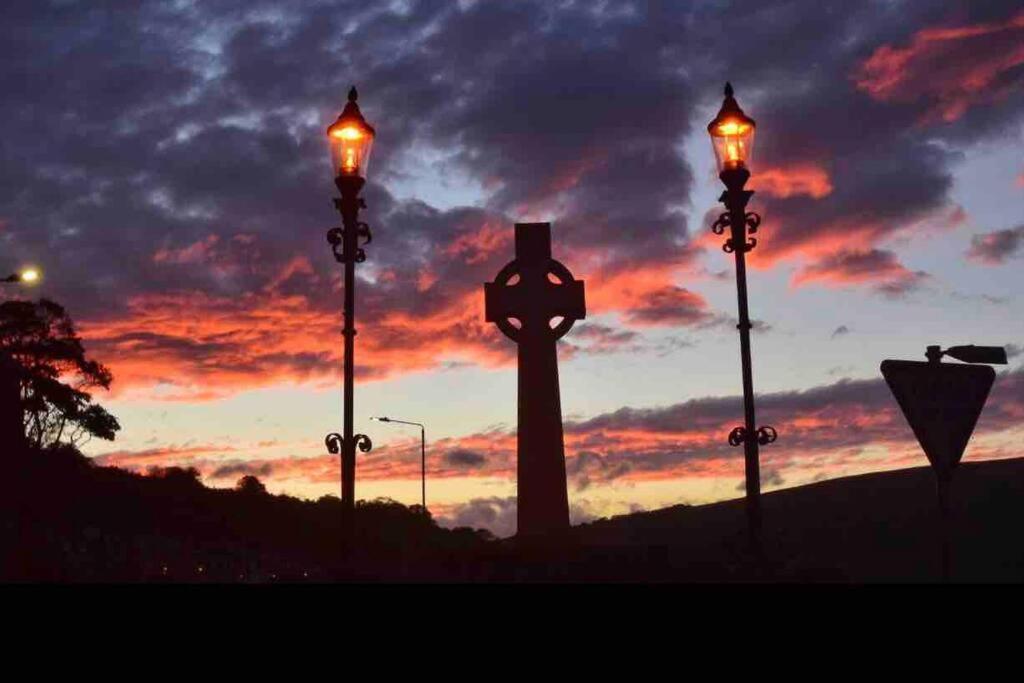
<point x="165" y="164"/>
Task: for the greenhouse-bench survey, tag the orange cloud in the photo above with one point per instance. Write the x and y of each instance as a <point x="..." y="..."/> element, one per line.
<point x="803" y="179"/>
<point x="646" y="296"/>
<point x="858" y="232"/>
<point x="477" y="246"/>
<point x="875" y="266"/>
<point x="197" y="252"/>
<point x="954" y="67"/>
<point x="225" y="344"/>
<point x="165" y="456"/>
<point x="200" y="345"/>
<point x="828" y="430"/>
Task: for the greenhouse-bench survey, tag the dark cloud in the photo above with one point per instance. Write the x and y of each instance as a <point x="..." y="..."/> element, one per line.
<point x="828" y="419"/>
<point x="496" y="514"/>
<point x="670" y="305"/>
<point x="158" y="153"/>
<point x="461" y="457"/>
<point x="876" y="266"/>
<point x="602" y="339"/>
<point x="673" y="344"/>
<point x="240" y="468"/>
<point x="994" y="248"/>
<point x="823" y="431"/>
<point x="984" y="298"/>
<point x="589" y="466"/>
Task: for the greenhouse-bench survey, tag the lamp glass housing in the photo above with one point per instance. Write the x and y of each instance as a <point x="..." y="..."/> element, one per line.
<point x="732" y="137"/>
<point x="351" y="141"/>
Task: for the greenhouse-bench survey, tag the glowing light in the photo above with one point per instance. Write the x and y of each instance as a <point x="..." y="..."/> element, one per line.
<point x="351" y="139"/>
<point x="732" y="134"/>
<point x="348" y="133"/>
<point x="29" y="275"/>
<point x="732" y="128"/>
<point x="350" y="147"/>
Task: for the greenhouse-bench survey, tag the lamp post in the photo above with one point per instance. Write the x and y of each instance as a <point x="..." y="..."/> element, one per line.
<point x="351" y="138"/>
<point x="732" y="137"/>
<point x="423" y="452"/>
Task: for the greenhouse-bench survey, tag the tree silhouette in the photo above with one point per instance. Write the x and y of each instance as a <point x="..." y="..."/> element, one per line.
<point x="180" y="477"/>
<point x="56" y="377"/>
<point x="250" y="484"/>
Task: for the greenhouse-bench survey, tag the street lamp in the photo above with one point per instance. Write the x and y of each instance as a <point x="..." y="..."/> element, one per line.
<point x="423" y="451"/>
<point x="351" y="139"/>
<point x="732" y="137"/>
<point x="28" y="276"/>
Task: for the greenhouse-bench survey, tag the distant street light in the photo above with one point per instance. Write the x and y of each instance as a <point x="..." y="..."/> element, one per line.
<point x="351" y="139"/>
<point x="423" y="452"/>
<point x="28" y="276"/>
<point x="732" y="137"/>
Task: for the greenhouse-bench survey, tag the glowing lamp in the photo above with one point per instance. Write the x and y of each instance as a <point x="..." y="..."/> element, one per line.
<point x="351" y="138"/>
<point x="732" y="134"/>
<point x="26" y="276"/>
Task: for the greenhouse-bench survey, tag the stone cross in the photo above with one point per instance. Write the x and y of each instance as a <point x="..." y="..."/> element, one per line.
<point x="526" y="298"/>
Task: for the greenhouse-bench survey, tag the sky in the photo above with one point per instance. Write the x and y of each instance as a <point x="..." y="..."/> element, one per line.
<point x="166" y="165"/>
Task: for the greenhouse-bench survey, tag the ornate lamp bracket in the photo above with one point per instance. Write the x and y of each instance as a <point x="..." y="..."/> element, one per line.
<point x="764" y="435"/>
<point x="751" y="222"/>
<point x="336" y="238"/>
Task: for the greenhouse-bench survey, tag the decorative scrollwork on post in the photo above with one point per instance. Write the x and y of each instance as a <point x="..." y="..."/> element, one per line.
<point x="363" y="230"/>
<point x="730" y="246"/>
<point x="719" y="226"/>
<point x="753" y="221"/>
<point x="766" y="435"/>
<point x="333" y="441"/>
<point x="363" y="442"/>
<point x="336" y="238"/>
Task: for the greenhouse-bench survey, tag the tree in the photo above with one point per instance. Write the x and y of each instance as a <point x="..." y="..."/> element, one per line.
<point x="185" y="478"/>
<point x="250" y="484"/>
<point x="56" y="377"/>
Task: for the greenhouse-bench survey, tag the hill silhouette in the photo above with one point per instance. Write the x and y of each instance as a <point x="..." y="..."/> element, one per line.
<point x="65" y="519"/>
<point x="864" y="528"/>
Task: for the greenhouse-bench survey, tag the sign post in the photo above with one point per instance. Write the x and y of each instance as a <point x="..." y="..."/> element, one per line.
<point x="942" y="402"/>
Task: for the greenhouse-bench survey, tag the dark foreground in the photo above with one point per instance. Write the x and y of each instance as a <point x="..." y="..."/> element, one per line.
<point x="64" y="520"/>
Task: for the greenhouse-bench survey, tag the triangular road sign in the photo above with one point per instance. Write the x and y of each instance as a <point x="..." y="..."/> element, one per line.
<point x="942" y="402"/>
